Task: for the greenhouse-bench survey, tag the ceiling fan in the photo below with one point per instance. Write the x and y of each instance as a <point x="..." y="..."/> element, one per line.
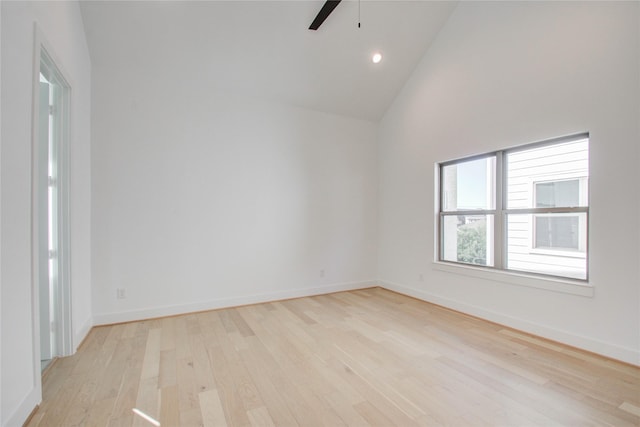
<point x="326" y="10"/>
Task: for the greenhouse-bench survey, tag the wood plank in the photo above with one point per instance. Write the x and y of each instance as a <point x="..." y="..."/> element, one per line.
<point x="169" y="407"/>
<point x="151" y="360"/>
<point x="227" y="389"/>
<point x="630" y="408"/>
<point x="168" y="370"/>
<point x="211" y="409"/>
<point x="260" y="417"/>
<point x="147" y="402"/>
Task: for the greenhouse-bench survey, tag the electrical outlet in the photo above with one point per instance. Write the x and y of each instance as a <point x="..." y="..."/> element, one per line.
<point x="421" y="277"/>
<point x="322" y="273"/>
<point x="120" y="293"/>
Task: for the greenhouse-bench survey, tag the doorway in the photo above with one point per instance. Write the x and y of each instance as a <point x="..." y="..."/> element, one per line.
<point x="51" y="211"/>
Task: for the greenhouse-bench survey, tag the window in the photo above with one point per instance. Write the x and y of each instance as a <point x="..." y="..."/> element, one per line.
<point x="522" y="209"/>
<point x="562" y="231"/>
<point x="557" y="193"/>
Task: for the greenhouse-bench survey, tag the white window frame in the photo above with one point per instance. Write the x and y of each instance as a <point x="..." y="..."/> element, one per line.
<point x="499" y="271"/>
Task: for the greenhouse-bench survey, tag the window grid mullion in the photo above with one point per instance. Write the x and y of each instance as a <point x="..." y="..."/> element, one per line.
<point x="537" y="211"/>
<point x="499" y="235"/>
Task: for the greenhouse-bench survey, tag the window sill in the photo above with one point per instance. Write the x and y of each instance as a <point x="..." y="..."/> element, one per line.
<point x="566" y="286"/>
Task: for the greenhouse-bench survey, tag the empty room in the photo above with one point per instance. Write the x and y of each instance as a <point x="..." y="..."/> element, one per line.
<point x="319" y="213"/>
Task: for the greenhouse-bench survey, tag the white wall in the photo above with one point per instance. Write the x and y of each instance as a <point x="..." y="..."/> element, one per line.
<point x="509" y="73"/>
<point x="1" y="216"/>
<point x="203" y="199"/>
<point x="61" y="24"/>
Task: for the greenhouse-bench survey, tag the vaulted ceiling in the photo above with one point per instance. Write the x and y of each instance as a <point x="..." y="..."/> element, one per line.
<point x="264" y="48"/>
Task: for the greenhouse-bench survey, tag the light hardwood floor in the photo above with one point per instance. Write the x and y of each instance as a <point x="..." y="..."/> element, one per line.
<point x="369" y="357"/>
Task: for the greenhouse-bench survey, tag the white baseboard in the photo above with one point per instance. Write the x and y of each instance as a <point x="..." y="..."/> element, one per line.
<point x="149" y="313"/>
<point x="82" y="333"/>
<point x="25" y="409"/>
<point x="612" y="351"/>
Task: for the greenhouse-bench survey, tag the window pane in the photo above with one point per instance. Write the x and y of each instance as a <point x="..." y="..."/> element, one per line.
<point x="468" y="239"/>
<point x="556" y="194"/>
<point x="553" y="244"/>
<point x="548" y="176"/>
<point x="469" y="185"/>
<point x="556" y="232"/>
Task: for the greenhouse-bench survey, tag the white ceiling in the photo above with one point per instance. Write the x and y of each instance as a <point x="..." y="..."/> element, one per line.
<point x="263" y="48"/>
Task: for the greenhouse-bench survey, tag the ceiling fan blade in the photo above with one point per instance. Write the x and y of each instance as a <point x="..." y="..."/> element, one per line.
<point x="326" y="10"/>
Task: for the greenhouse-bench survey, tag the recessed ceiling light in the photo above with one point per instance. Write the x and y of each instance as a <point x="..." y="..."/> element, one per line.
<point x="376" y="58"/>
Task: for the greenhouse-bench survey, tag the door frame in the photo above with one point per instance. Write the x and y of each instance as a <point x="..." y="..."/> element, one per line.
<point x="43" y="49"/>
